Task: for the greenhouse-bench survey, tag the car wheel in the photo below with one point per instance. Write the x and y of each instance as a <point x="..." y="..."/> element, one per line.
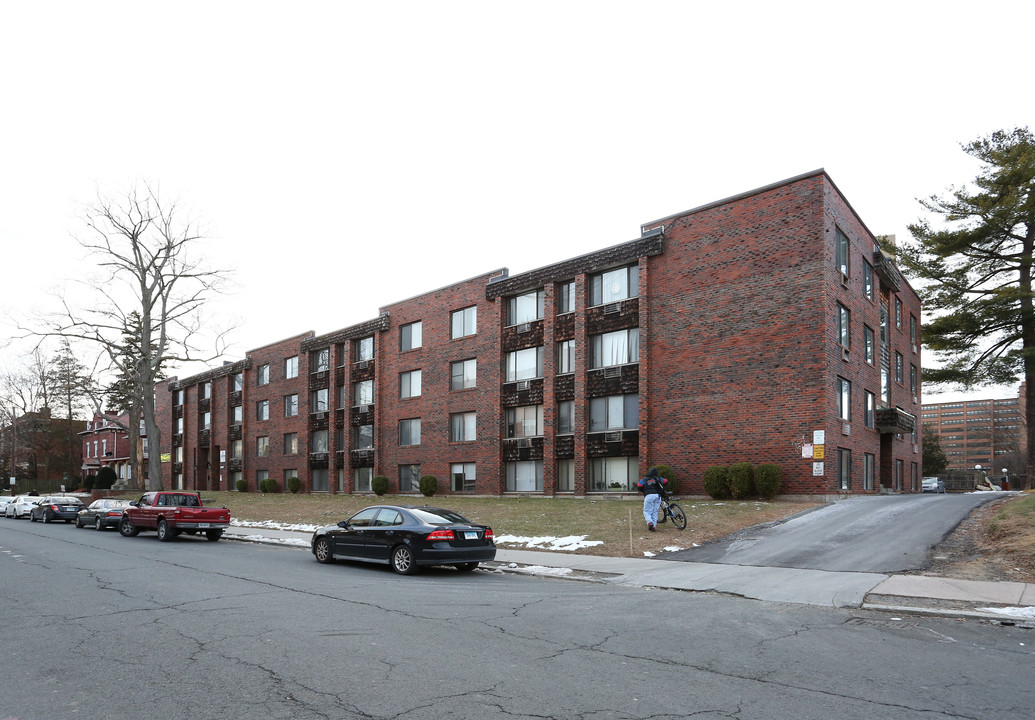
<point x="31" y="518"/>
<point x="322" y="550"/>
<point x="403" y="561"/>
<point x="213" y="535"/>
<point x="78" y="522"/>
<point x="467" y="567"/>
<point x="127" y="528"/>
<point x="165" y="533"/>
<point x="98" y="524"/>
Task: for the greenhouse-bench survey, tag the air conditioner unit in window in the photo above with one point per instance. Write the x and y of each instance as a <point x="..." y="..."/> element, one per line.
<point x="844" y="353"/>
<point x="362" y="408"/>
<point x="613" y="437"/>
<point x="523" y="385"/>
<point x="363" y="364"/>
<point x="846" y="428"/>
<point x="524" y="327"/>
<point x="319" y="415"/>
<point x="612" y="308"/>
<point x="612" y="371"/>
<point x="524" y="443"/>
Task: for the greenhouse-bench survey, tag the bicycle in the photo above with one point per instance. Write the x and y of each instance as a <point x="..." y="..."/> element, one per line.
<point x="671" y="510"/>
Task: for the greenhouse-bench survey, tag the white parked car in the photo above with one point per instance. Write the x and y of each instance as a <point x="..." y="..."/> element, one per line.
<point x="21" y="507"/>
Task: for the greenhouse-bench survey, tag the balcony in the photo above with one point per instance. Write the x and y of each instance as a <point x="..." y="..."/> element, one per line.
<point x="894" y="420"/>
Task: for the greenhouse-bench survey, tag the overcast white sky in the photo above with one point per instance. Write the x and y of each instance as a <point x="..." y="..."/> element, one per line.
<point x="344" y="155"/>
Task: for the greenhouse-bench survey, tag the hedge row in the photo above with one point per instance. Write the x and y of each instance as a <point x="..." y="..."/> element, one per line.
<point x="741" y="480"/>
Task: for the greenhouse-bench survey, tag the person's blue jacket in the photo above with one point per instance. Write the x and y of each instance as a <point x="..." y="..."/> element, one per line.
<point x="652" y="484"/>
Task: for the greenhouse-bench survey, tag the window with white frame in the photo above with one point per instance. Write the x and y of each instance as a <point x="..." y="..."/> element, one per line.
<point x="565" y="357"/>
<point x="205" y="390"/>
<point x="410" y="336"/>
<point x="363" y="349"/>
<point x="291" y="367"/>
<point x="363" y="392"/>
<point x="524" y="422"/>
<point x="238" y="382"/>
<point x="179" y="426"/>
<point x="869" y="409"/>
<point x="262" y="410"/>
<point x="177" y="453"/>
<point x="869" y="345"/>
<point x="844" y="399"/>
<point x="844" y="468"/>
<point x="615" y="412"/>
<point x="409" y="478"/>
<point x="462" y="477"/>
<point x="898" y="368"/>
<point x="898" y="312"/>
<point x="206" y="420"/>
<point x="262" y="446"/>
<point x="318" y="441"/>
<point x="464" y="322"/>
<point x="463" y="374"/>
<point x="409" y="384"/>
<point x="463" y="427"/>
<point x="524" y="476"/>
<point x="526" y="307"/>
<point x="262" y="375"/>
<point x="409" y="431"/>
<point x="318" y="400"/>
<point x="237" y="414"/>
<point x="361" y="478"/>
<point x="614" y="285"/>
<point x="320" y="360"/>
<point x="844" y="317"/>
<point x="613" y="474"/>
<point x="843" y="253"/>
<point x="291" y="405"/>
<point x="524" y="364"/>
<point x="566" y="297"/>
<point x="615" y="348"/>
<point x="867" y="280"/>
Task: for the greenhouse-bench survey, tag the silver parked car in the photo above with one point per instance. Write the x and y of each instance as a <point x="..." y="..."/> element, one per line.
<point x="932" y="484"/>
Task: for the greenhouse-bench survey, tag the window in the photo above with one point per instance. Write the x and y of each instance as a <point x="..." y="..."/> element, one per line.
<point x="565" y="476"/>
<point x="363" y="437"/>
<point x="899" y="471"/>
<point x="339" y="438"/>
<point x="409" y="431"/>
<point x="842" y="253"/>
<point x="342" y="400"/>
<point x="318" y="443"/>
<point x="178" y="397"/>
<point x="898" y="367"/>
<point x="262" y="446"/>
<point x="464" y="322"/>
<point x="291" y="443"/>
<point x="291" y="367"/>
<point x="885" y="334"/>
<point x="616" y="412"/>
<point x="523" y="422"/>
<point x="237" y="414"/>
<point x="410" y="336"/>
<point x="913" y="379"/>
<point x="177" y="453"/>
<point x="613" y="474"/>
<point x="321" y="478"/>
<point x="565" y="357"/>
<point x="238" y="382"/>
<point x="363" y="349"/>
<point x="463" y="427"/>
<point x="409" y="478"/>
<point x="236" y="448"/>
<point x="206" y="420"/>
<point x="565" y="417"/>
<point x="869" y="462"/>
<point x="288" y="474"/>
<point x="363" y="392"/>
<point x="566" y="297"/>
<point x="844" y="468"/>
<point x="409" y="384"/>
<point x="898" y="312"/>
<point x="463" y="374"/>
<point x="179" y="428"/>
<point x="913" y="336"/>
<point x="615" y="348"/>
<point x="867" y="280"/>
<point x="262" y="410"/>
<point x="869" y="409"/>
<point x="462" y="477"/>
<point x="234" y="477"/>
<point x="320" y="360"/>
<point x="844" y="399"/>
<point x="361" y="478"/>
<point x="318" y="400"/>
<point x="205" y="390"/>
<point x="260" y="476"/>
<point x="525" y="308"/>
<point x="614" y="285"/>
<point x="843" y="320"/>
<point x="525" y="476"/>
<point x="524" y="364"/>
<point x="869" y="347"/>
<point x="262" y="375"/>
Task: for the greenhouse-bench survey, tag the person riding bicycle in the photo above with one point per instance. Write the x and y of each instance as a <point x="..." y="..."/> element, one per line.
<point x="653" y="488"/>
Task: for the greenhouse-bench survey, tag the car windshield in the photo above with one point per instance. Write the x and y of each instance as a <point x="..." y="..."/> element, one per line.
<point x="65" y="501"/>
<point x="115" y="503"/>
<point x="438" y="516"/>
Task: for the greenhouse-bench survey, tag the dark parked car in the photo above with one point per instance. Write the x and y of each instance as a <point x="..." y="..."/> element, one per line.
<point x="56" y="507"/>
<point x="103" y="513"/>
<point x="406" y="537"/>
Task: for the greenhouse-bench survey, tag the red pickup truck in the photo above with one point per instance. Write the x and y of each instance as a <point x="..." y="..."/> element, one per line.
<point x="170" y="513"/>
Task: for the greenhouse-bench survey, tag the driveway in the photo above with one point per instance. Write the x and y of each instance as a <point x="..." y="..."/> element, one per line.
<point x="882" y="534"/>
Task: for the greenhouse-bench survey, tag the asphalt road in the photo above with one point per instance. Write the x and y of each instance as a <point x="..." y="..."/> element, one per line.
<point x="883" y="534"/>
<point x="101" y="626"/>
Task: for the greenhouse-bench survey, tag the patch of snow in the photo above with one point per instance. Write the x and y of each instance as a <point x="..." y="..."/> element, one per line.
<point x="570" y="542"/>
<point x="539" y="570"/>
<point x="1025" y="613"/>
<point x="297" y="527"/>
<point x="648" y="553"/>
<point x="671" y="548"/>
<point x="293" y="542"/>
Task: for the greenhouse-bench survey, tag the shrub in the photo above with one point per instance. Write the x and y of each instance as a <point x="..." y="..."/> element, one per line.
<point x="294" y="485"/>
<point x="242" y="485"/>
<point x="742" y="480"/>
<point x="88" y="483"/>
<point x="379" y="484"/>
<point x="428" y="485"/>
<point x="669" y="474"/>
<point x="106" y="477"/>
<point x="716" y="481"/>
<point x="767" y="480"/>
<point x="269" y="485"/>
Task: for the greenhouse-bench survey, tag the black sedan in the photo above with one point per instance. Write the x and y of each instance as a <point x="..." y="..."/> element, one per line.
<point x="406" y="537"/>
<point x="103" y="513"/>
<point x="56" y="507"/>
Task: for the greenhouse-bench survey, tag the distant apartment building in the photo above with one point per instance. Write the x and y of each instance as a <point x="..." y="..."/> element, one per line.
<point x="766" y="327"/>
<point x="988" y="432"/>
<point x="105" y="443"/>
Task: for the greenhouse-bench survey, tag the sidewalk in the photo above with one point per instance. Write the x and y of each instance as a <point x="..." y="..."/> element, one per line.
<point x="1002" y="601"/>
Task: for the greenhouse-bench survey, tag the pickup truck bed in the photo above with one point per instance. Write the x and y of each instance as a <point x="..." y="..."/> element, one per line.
<point x="170" y="513"/>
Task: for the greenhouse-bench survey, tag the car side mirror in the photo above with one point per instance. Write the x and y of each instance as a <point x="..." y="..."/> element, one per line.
<point x="135" y="503"/>
<point x="343" y="523"/>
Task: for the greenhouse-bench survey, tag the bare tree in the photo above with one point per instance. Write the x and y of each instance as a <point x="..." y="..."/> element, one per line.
<point x="144" y="250"/>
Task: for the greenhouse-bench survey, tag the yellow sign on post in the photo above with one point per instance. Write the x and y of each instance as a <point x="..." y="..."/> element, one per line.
<point x="167" y="457"/>
<point x="818" y="452"/>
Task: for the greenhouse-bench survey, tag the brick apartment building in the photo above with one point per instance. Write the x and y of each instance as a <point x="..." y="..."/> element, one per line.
<point x="988" y="432"/>
<point x="766" y="327"/>
<point x="106" y="443"/>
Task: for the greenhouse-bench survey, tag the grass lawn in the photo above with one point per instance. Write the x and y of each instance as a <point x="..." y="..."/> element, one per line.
<point x="602" y="519"/>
